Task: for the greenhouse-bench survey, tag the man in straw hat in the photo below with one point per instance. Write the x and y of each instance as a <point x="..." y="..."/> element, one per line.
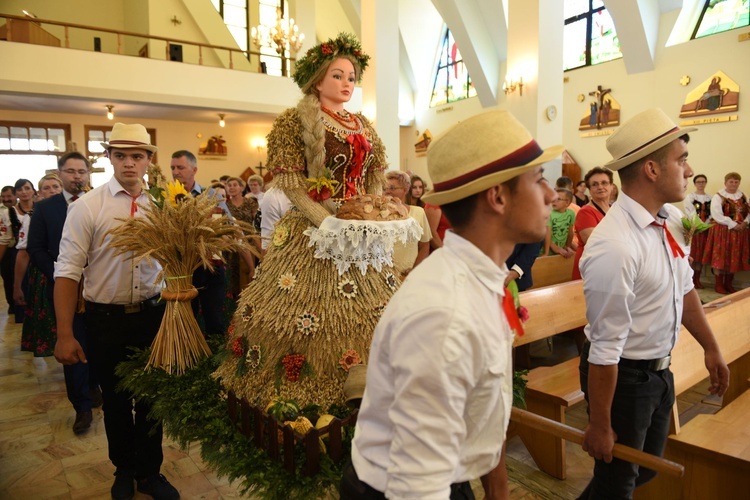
<point x="638" y="286"/>
<point x="439" y="391"/>
<point x="122" y="309"/>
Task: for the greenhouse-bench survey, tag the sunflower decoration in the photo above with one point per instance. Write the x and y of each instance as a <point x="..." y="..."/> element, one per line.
<point x="176" y="193"/>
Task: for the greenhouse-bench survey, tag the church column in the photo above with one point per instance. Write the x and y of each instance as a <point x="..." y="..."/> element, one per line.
<point x="535" y="53"/>
<point x="381" y="81"/>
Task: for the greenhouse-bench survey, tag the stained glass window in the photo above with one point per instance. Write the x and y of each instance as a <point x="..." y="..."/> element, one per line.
<point x="452" y="81"/>
<point x="722" y="15"/>
<point x="589" y="36"/>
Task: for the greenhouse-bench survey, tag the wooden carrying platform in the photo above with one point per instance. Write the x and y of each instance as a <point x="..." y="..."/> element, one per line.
<point x="278" y="440"/>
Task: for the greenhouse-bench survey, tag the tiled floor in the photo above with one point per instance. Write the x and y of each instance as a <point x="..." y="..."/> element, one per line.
<point x="40" y="457"/>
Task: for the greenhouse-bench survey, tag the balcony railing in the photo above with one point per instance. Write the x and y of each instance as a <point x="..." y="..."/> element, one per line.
<point x="77" y="36"/>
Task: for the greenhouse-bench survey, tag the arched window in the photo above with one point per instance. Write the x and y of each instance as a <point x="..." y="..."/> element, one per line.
<point x="589" y="36"/>
<point x="722" y="15"/>
<point x="452" y="81"/>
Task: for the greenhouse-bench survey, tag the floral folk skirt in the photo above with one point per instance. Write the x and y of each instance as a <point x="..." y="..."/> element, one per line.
<point x="39" y="331"/>
<point x="726" y="250"/>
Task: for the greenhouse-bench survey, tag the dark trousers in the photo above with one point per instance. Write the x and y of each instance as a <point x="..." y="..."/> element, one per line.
<point x="134" y="441"/>
<point x="7" y="272"/>
<point x="353" y="488"/>
<point x="80" y="377"/>
<point x="641" y="411"/>
<point x="210" y="301"/>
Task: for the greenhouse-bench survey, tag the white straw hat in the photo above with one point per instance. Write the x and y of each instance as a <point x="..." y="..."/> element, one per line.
<point x="480" y="152"/>
<point x="640" y="136"/>
<point x="129" y="137"/>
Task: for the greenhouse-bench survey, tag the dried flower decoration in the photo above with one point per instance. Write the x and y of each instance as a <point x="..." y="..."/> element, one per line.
<point x="247" y="314"/>
<point x="347" y="288"/>
<point x="253" y="356"/>
<point x="308" y="323"/>
<point x="287" y="281"/>
<point x="349" y="359"/>
<point x="323" y="187"/>
<point x="693" y="226"/>
<point x="391" y="281"/>
<point x="239" y="347"/>
<point x="280" y="236"/>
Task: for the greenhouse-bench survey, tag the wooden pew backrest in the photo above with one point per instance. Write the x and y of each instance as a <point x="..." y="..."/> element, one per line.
<point x="552" y="310"/>
<point x="551" y="270"/>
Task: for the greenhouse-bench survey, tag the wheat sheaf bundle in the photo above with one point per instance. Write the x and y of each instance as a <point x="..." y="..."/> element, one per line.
<point x="182" y="233"/>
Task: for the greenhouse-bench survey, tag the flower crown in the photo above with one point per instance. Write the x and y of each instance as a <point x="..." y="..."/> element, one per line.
<point x="343" y="44"/>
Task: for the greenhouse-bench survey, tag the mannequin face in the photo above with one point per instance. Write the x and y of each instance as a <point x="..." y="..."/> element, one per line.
<point x="337" y="85"/>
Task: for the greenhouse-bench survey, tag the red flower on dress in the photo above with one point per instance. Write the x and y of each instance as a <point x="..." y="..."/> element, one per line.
<point x="349" y="359"/>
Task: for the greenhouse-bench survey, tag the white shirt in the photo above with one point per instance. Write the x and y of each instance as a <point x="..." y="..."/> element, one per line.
<point x="692" y="198"/>
<point x="717" y="211"/>
<point x="23" y="233"/>
<point x="110" y="279"/>
<point x="439" y="378"/>
<point x="273" y="205"/>
<point x="6" y="231"/>
<point x="404" y="255"/>
<point x="634" y="286"/>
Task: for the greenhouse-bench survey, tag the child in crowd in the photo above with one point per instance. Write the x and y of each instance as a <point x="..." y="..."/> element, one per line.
<point x="560" y="226"/>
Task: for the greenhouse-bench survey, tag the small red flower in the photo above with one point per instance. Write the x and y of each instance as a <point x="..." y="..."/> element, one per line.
<point x="238" y="347"/>
<point x="326" y="49"/>
<point x="523" y="314"/>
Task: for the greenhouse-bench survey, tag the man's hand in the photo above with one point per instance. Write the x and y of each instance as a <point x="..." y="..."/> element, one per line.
<point x="18" y="297"/>
<point x="599" y="441"/>
<point x="68" y="351"/>
<point x="718" y="372"/>
<point x="512" y="275"/>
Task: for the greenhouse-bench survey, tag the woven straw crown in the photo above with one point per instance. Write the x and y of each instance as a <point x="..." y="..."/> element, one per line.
<point x="640" y="136"/>
<point x="483" y="151"/>
<point x="133" y="136"/>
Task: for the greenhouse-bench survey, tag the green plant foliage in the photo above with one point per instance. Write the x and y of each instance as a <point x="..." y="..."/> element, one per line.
<point x="192" y="410"/>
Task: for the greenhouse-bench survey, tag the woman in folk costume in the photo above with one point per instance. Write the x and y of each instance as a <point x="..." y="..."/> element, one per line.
<point x="305" y="320"/>
<point x="698" y="203"/>
<point x="727" y="248"/>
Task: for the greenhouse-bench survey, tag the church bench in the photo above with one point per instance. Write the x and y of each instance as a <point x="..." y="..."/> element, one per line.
<point x="715" y="449"/>
<point x="551" y="389"/>
<point x="551" y="270"/>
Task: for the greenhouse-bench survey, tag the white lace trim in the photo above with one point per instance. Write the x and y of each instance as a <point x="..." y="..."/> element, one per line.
<point x="361" y="243"/>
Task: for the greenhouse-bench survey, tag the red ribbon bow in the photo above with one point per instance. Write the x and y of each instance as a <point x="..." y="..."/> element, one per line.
<point x="676" y="249"/>
<point x="509" y="307"/>
<point x="361" y="146"/>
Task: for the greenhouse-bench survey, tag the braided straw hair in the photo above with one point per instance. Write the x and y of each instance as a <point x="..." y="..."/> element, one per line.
<point x="344" y="45"/>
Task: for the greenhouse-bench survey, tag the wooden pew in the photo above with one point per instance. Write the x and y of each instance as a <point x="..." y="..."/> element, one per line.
<point x="715" y="449"/>
<point x="551" y="270"/>
<point x="551" y="389"/>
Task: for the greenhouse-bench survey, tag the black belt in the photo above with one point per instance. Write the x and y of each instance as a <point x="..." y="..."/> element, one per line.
<point x="96" y="307"/>
<point x="654" y="365"/>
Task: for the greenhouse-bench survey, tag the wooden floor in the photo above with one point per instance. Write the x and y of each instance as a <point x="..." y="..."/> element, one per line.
<point x="40" y="457"/>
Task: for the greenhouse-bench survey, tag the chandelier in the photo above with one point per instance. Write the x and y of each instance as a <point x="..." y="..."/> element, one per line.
<point x="282" y="37"/>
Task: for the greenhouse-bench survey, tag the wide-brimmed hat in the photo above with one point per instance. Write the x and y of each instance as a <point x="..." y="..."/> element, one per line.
<point x="640" y="136"/>
<point x="132" y="136"/>
<point x="483" y="151"/>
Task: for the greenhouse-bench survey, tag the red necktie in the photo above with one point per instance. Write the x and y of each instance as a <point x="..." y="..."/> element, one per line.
<point x="509" y="307"/>
<point x="676" y="249"/>
<point x="74" y="198"/>
<point x="133" y="204"/>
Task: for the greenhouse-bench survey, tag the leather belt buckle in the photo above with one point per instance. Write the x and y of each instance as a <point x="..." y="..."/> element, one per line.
<point x="132" y="308"/>
<point x="661" y="364"/>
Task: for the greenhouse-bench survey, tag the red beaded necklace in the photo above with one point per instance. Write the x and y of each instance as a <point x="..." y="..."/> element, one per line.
<point x="349" y="121"/>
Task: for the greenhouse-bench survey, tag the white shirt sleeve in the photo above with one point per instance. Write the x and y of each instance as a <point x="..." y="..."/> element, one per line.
<point x="717" y="213"/>
<point x="6" y="232"/>
<point x="689" y="207"/>
<point x="23" y="235"/>
<point x="75" y="242"/>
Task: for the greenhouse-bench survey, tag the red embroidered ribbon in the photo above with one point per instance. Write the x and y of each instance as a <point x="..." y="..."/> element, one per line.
<point x="509" y="307"/>
<point x="676" y="249"/>
<point x="361" y="146"/>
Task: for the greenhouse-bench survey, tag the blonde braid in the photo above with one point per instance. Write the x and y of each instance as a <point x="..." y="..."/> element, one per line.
<point x="313" y="135"/>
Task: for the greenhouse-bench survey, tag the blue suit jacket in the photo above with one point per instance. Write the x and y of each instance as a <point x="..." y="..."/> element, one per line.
<point x="524" y="255"/>
<point x="45" y="232"/>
